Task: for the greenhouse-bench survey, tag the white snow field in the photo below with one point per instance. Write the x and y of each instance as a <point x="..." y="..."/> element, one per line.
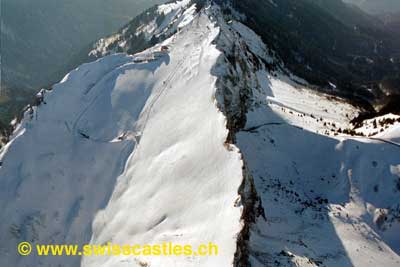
<point x="169" y="175"/>
<point x="133" y="150"/>
<point x="181" y="183"/>
<point x="329" y="201"/>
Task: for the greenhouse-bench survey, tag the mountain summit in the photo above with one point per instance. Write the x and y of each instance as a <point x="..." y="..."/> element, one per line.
<point x="201" y="133"/>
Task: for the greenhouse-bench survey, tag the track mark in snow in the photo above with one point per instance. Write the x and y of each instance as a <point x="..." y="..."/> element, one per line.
<point x="158" y="222"/>
<point x="167" y="82"/>
<point x="385" y="141"/>
<point x="251" y="129"/>
<point x="94" y="99"/>
<point x="166" y="85"/>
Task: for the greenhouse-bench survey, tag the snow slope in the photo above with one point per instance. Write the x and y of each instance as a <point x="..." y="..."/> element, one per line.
<point x="49" y="170"/>
<point x="181" y="182"/>
<point x="323" y="196"/>
<point x="142" y="129"/>
<point x="177" y="146"/>
<point x="330" y="199"/>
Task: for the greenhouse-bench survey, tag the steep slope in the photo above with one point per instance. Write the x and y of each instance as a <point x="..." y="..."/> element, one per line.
<point x="329" y="199"/>
<point x="211" y="139"/>
<point x="42" y="40"/>
<point x="181" y="181"/>
<point x="142" y="129"/>
<point x="321" y="41"/>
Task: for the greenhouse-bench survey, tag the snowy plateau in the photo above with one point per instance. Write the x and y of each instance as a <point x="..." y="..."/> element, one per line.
<point x="201" y="141"/>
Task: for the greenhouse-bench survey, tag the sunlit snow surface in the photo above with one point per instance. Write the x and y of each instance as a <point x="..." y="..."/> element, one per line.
<point x="180" y="184"/>
<point x="325" y="197"/>
<point x="330" y="200"/>
<point x="149" y="135"/>
<point x="130" y="150"/>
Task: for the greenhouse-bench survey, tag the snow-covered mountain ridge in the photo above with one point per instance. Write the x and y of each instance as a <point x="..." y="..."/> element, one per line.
<point x="211" y="140"/>
<point x="153" y="26"/>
